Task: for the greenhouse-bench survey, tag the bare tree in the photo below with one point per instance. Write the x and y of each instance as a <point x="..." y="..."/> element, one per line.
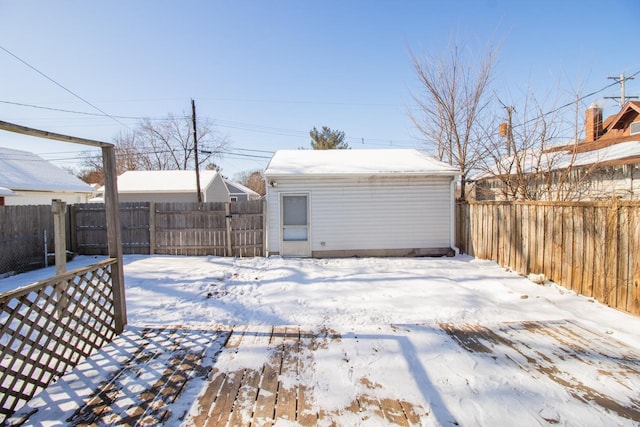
<point x="253" y="179"/>
<point x="453" y="107"/>
<point x="518" y="159"/>
<point x="168" y="143"/>
<point x="163" y="144"/>
<point x="528" y="162"/>
<point x="128" y="157"/>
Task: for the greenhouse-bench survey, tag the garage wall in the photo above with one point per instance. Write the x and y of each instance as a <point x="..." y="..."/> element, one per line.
<point x="22" y="198"/>
<point x="369" y="213"/>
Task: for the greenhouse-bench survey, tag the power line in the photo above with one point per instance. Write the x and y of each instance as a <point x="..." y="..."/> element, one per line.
<point x="280" y="101"/>
<point x="60" y="85"/>
<point x="21" y="104"/>
<point x="249" y="127"/>
<point x="143" y="151"/>
<point x="569" y="104"/>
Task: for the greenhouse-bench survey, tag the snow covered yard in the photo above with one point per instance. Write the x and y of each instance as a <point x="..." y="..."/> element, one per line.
<point x="359" y="341"/>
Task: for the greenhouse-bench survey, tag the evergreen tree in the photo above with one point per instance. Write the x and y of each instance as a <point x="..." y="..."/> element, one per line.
<point x="327" y="139"/>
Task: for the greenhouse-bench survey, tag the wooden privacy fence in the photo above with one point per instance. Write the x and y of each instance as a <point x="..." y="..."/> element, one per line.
<point x="50" y="326"/>
<point x="26" y="237"/>
<point x="221" y="229"/>
<point x="592" y="248"/>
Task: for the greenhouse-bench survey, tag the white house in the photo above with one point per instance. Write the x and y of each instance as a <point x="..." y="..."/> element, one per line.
<point x="170" y="186"/>
<point x="332" y="203"/>
<point x="28" y="179"/>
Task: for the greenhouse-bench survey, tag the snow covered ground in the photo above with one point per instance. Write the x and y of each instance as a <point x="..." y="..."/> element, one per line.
<point x="461" y="340"/>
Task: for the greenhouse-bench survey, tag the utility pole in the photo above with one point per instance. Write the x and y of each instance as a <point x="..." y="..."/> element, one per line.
<point x="506" y="129"/>
<point x="622" y="79"/>
<point x="195" y="149"/>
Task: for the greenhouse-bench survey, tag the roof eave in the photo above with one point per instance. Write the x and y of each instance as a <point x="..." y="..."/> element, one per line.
<point x="361" y="175"/>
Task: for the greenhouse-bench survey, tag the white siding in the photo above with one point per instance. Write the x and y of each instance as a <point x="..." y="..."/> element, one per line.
<point x="369" y="213"/>
<point x="44" y="198"/>
<point x="185" y="197"/>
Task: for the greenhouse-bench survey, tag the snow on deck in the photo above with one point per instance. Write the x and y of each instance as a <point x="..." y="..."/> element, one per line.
<point x="411" y="341"/>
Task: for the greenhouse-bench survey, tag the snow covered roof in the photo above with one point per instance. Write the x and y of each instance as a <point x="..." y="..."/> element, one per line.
<point x="612" y="153"/>
<point x="6" y="192"/>
<point x="356" y="162"/>
<point x="556" y="160"/>
<point x="164" y="181"/>
<point x="22" y="170"/>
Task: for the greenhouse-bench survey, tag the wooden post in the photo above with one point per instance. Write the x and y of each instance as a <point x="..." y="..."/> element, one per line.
<point x="152" y="228"/>
<point x="111" y="204"/>
<point x="265" y="232"/>
<point x="114" y="237"/>
<point x="227" y="208"/>
<point x="59" y="208"/>
<point x="72" y="231"/>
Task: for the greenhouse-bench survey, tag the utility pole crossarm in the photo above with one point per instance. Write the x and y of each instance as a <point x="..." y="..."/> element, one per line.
<point x="622" y="79"/>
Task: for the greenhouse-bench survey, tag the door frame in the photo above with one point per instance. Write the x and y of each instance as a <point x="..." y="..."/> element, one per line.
<point x="295" y="248"/>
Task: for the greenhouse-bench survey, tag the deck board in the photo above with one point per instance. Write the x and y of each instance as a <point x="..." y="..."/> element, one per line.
<point x="259" y="375"/>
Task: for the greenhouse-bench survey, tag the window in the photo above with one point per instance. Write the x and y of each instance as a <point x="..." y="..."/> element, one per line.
<point x="233" y="198"/>
<point x="294" y="218"/>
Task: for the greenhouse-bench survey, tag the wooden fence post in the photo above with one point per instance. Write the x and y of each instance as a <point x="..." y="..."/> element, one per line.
<point x="152" y="228"/>
<point x="227" y="211"/>
<point x="59" y="208"/>
<point x="612" y="230"/>
<point x="114" y="237"/>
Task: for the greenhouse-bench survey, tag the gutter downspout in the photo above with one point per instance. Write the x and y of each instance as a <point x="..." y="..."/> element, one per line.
<point x="452" y="218"/>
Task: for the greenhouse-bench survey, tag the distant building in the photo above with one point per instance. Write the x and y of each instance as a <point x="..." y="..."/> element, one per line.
<point x="337" y="203"/>
<point x="240" y="193"/>
<point x="605" y="164"/>
<point x="177" y="186"/>
<point x="28" y="179"/>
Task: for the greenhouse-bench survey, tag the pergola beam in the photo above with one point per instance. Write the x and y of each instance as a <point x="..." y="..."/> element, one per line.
<point x="112" y="207"/>
<point x="12" y="127"/>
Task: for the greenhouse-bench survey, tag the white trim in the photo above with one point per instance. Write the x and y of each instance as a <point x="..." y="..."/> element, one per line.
<point x="452" y="226"/>
<point x="281" y="197"/>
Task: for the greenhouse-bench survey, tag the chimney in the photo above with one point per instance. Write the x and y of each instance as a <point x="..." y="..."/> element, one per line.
<point x="593" y="123"/>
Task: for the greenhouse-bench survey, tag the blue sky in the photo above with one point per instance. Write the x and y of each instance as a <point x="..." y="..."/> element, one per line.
<point x="266" y="72"/>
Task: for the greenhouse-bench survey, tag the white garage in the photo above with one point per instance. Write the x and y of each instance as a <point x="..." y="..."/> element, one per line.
<point x="340" y="203"/>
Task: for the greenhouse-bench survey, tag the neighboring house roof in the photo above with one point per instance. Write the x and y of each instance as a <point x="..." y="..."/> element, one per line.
<point x="25" y="171"/>
<point x="534" y="161"/>
<point x="626" y="115"/>
<point x="6" y="192"/>
<point x="613" y="145"/>
<point x="356" y="162"/>
<point x="237" y="188"/>
<point x="164" y="181"/>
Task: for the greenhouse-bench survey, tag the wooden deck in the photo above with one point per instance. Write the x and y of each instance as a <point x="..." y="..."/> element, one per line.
<point x="256" y="375"/>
